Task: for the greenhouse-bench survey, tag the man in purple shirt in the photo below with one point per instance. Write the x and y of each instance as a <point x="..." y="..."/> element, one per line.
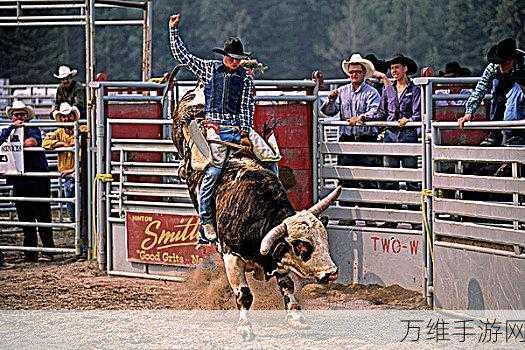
<point x="355" y="102"/>
<point x="400" y="102"/>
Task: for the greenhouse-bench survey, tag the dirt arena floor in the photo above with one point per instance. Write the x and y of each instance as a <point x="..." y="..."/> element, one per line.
<point x="81" y="286"/>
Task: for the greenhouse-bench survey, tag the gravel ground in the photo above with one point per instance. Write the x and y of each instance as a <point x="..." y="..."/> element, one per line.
<point x="81" y="286"/>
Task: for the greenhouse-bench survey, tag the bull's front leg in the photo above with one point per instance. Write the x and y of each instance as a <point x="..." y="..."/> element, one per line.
<point x="294" y="317"/>
<point x="236" y="273"/>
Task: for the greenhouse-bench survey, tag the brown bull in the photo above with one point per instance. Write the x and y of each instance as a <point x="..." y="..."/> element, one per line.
<point x="258" y="230"/>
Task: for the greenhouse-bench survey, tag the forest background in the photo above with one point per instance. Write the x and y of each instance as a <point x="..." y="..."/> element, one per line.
<point x="293" y="37"/>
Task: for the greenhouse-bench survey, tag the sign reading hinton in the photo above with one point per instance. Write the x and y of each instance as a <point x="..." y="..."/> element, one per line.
<point x="166" y="239"/>
<point x="11" y="153"/>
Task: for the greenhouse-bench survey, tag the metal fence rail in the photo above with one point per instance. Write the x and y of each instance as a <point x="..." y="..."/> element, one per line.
<point x="57" y="199"/>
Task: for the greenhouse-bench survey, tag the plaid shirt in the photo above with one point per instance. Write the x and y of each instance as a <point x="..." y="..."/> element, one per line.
<point x="483" y="86"/>
<point x="204" y="70"/>
<point x="351" y="103"/>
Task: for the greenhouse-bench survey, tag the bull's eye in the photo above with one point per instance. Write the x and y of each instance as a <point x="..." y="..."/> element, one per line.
<point x="303" y="249"/>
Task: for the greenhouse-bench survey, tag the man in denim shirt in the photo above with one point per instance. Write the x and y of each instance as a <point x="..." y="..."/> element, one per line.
<point x="355" y="102"/>
<point x="229" y="109"/>
<point x="400" y="102"/>
<point x="515" y="109"/>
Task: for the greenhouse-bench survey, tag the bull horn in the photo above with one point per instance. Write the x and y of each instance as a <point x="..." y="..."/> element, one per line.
<point x="270" y="238"/>
<point x="325" y="202"/>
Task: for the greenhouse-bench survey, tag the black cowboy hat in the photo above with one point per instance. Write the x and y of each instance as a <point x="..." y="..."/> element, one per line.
<point x="233" y="48"/>
<point x="453" y="69"/>
<point x="405" y="61"/>
<point x="504" y="51"/>
<point x="379" y="65"/>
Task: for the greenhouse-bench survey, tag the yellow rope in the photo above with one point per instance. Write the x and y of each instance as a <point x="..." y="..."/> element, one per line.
<point x="103" y="178"/>
<point x="424" y="194"/>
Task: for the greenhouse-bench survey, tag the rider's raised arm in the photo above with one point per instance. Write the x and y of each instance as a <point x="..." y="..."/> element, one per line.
<point x="200" y="67"/>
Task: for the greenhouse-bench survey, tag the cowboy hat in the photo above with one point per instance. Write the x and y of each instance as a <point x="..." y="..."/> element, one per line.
<point x="233" y="48"/>
<point x="405" y="61"/>
<point x="66" y="109"/>
<point x="357" y="59"/>
<point x="64" y="72"/>
<point x="379" y="65"/>
<point x="503" y="51"/>
<point x="453" y="69"/>
<point x="17" y="106"/>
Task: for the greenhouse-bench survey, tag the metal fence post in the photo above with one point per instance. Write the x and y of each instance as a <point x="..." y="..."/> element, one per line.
<point x="86" y="243"/>
<point x="428" y="171"/>
<point x="77" y="190"/>
<point x="100" y="212"/>
<point x="316" y="142"/>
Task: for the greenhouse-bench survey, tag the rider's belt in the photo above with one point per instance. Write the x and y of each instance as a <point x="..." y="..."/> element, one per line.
<point x="217" y="126"/>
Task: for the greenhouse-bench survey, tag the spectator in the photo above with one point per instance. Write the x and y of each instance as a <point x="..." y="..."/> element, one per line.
<point x="515" y="109"/>
<point x="503" y="58"/>
<point x="64" y="137"/>
<point x="30" y="186"/>
<point x="70" y="90"/>
<point x="400" y="102"/>
<point x="355" y="102"/>
<point x="380" y="70"/>
<point x="453" y="70"/>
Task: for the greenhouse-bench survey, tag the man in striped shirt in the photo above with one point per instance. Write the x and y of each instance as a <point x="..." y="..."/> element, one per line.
<point x="229" y="108"/>
<point x="497" y="77"/>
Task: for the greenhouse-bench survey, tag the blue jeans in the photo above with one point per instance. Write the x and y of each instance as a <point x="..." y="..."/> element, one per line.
<point x="211" y="176"/>
<point x="68" y="184"/>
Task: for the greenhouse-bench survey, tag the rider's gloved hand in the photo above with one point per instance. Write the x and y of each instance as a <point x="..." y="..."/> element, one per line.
<point x="245" y="140"/>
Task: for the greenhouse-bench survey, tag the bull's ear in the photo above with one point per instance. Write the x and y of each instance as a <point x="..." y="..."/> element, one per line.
<point x="324" y="220"/>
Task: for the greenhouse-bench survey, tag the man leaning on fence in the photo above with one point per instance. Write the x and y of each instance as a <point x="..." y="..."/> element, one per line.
<point x="30" y="186"/>
<point x="503" y="58"/>
<point x="400" y="102"/>
<point x="64" y="137"/>
<point x="355" y="102"/>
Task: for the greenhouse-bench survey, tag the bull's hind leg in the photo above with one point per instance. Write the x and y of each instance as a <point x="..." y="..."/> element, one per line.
<point x="236" y="273"/>
<point x="294" y="317"/>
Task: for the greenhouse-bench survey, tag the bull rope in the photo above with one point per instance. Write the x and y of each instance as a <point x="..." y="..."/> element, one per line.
<point x="424" y="194"/>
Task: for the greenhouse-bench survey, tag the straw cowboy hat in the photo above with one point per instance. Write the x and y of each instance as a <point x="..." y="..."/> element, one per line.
<point x="357" y="59"/>
<point x="503" y="51"/>
<point x="405" y="61"/>
<point x="233" y="47"/>
<point x="18" y="106"/>
<point x="64" y="72"/>
<point x="66" y="109"/>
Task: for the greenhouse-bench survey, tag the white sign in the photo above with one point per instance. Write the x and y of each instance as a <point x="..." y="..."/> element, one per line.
<point x="11" y="153"/>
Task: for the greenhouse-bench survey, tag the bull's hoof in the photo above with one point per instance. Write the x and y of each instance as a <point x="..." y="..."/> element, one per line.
<point x="246" y="332"/>
<point x="296" y="321"/>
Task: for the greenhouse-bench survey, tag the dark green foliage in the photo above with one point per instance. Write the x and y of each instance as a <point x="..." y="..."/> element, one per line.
<point x="292" y="37"/>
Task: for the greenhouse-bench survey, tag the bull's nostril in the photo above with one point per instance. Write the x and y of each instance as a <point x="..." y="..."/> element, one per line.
<point x="332" y="277"/>
<point x="328" y="277"/>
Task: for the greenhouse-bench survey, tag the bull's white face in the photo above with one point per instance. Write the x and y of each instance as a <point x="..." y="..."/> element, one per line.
<point x="308" y="256"/>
